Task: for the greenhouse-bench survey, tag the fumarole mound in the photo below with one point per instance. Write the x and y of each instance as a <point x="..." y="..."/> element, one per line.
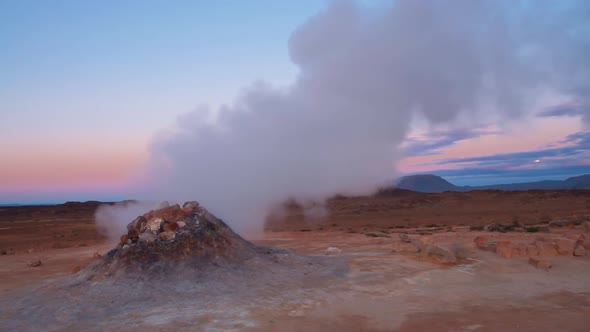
<point x="174" y="238"/>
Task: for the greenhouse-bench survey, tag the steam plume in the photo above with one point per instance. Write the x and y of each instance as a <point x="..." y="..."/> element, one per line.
<point x="364" y="74"/>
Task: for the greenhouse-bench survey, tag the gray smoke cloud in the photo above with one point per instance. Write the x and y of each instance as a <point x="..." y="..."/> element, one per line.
<point x="364" y="75"/>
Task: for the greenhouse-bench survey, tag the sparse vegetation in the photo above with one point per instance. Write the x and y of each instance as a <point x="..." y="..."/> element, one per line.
<point x="375" y="234"/>
<point x="532" y="229"/>
<point x="476" y="228"/>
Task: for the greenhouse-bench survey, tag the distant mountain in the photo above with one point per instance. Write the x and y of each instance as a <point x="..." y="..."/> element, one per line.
<point x="425" y="183"/>
<point x="431" y="183"/>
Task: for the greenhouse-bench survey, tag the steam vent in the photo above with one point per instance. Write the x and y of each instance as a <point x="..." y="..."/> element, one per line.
<point x="171" y="239"/>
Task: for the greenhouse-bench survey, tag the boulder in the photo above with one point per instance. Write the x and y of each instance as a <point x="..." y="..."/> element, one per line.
<point x="565" y="247"/>
<point x="154" y="225"/>
<point x="96" y="255"/>
<point x="192" y="205"/>
<point x="181" y="224"/>
<point x="147" y="237"/>
<point x="133" y="235"/>
<point x="167" y="236"/>
<point x="333" y="251"/>
<point x="136" y="224"/>
<point x="587" y="225"/>
<point x="580" y="251"/>
<point x="540" y="263"/>
<point x="546" y="247"/>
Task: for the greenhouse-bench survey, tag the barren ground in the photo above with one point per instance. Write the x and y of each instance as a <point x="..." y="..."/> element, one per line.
<point x="380" y="290"/>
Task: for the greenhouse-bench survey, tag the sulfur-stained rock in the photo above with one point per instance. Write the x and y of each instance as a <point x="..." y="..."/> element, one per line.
<point x="170" y="227"/>
<point x="167" y="236"/>
<point x="133" y="235"/>
<point x="147" y="237"/>
<point x="123" y="239"/>
<point x="154" y="225"/>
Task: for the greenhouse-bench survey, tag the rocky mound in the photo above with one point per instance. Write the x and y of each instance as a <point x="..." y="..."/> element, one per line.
<point x="174" y="238"/>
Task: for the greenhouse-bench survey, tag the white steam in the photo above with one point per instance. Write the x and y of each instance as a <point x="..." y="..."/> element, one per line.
<point x="112" y="219"/>
<point x="363" y="76"/>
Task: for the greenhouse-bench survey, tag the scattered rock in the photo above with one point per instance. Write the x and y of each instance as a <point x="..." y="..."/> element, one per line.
<point x="540" y="263"/>
<point x="96" y="255"/>
<point x="405" y="238"/>
<point x="147" y="237"/>
<point x="587" y="225"/>
<point x="154" y="225"/>
<point x="580" y="251"/>
<point x="558" y="223"/>
<point x="30" y="250"/>
<point x="35" y="263"/>
<point x="333" y="251"/>
<point x="167" y="236"/>
<point x="565" y="247"/>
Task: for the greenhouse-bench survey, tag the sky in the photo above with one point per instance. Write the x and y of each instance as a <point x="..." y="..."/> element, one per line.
<point x="86" y="86"/>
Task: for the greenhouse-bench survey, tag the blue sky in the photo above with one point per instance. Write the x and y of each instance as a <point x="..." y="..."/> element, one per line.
<point x="85" y="85"/>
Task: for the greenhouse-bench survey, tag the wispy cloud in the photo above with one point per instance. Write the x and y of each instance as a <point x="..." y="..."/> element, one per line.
<point x="562" y="110"/>
<point x="578" y="144"/>
<point x="436" y="141"/>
